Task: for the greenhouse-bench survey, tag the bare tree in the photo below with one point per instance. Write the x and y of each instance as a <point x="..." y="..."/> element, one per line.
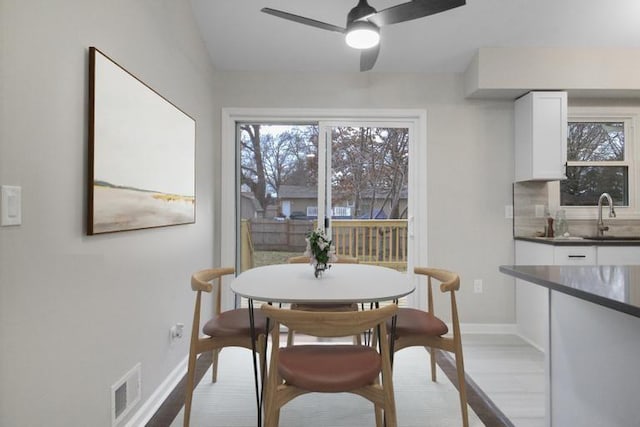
<point x="594" y="142"/>
<point x="371" y="163"/>
<point x="270" y="159"/>
<point x="252" y="164"/>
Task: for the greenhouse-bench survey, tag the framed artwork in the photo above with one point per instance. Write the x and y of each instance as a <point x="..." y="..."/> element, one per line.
<point x="141" y="153"/>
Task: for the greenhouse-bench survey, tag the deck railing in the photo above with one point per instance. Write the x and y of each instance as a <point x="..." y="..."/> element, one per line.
<point x="372" y="241"/>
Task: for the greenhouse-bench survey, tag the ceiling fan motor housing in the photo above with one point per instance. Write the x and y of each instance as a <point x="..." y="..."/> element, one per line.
<point x="361" y="11"/>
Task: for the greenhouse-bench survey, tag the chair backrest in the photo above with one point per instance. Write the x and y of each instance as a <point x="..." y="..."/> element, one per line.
<point x="330" y="324"/>
<point x="449" y="281"/>
<point x="209" y="280"/>
<point x="342" y="259"/>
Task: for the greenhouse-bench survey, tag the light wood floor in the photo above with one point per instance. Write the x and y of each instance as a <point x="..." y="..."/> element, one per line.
<point x="510" y="372"/>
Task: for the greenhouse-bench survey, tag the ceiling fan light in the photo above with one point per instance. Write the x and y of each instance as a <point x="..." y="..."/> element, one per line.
<point x="362" y="35"/>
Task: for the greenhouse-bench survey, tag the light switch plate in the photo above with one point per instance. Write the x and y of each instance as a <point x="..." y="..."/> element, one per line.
<point x="10" y="205"/>
<point x="508" y="211"/>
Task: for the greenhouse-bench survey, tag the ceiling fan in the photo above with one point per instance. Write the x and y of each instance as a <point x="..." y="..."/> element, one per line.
<point x="363" y="23"/>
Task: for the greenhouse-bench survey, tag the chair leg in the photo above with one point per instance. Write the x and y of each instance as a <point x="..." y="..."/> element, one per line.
<point x="357" y="339"/>
<point x="271" y="412"/>
<point x="267" y="407"/>
<point x="379" y="416"/>
<point x="390" y="415"/>
<point x="262" y="356"/>
<point x="432" y="354"/>
<point x="290" y="338"/>
<point x="214" y="365"/>
<point x="462" y="387"/>
<point x="188" y="394"/>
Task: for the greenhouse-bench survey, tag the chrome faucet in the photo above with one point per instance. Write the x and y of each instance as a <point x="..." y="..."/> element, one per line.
<point x="612" y="213"/>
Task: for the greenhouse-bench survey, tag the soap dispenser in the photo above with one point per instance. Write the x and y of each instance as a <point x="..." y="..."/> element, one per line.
<point x="561" y="223"/>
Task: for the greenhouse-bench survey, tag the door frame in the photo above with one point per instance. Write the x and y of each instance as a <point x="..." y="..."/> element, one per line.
<point x="414" y="119"/>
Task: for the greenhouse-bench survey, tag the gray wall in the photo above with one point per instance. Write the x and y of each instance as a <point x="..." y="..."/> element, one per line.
<point x="77" y="312"/>
<point x="469" y="165"/>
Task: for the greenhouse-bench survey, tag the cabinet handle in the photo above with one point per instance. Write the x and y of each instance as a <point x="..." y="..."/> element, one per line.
<point x="577" y="256"/>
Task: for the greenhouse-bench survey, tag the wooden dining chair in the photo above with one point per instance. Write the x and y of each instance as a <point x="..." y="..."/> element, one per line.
<point x="339" y="368"/>
<point x="422" y="328"/>
<point x="224" y="329"/>
<point x="342" y="259"/>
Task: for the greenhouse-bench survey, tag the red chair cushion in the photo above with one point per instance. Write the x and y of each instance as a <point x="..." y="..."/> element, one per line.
<point x="329" y="368"/>
<point x="411" y="321"/>
<point x="235" y="323"/>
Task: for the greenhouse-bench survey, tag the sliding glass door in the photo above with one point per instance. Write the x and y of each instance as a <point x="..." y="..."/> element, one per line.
<point x="356" y="179"/>
<point x="350" y="179"/>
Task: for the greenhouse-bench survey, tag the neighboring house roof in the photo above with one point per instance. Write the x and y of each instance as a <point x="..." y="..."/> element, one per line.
<point x="252" y="199"/>
<point x="367" y="194"/>
<point x="297" y="192"/>
<point x="301" y="192"/>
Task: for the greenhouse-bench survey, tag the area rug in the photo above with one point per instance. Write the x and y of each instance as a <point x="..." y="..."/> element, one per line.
<point x="230" y="402"/>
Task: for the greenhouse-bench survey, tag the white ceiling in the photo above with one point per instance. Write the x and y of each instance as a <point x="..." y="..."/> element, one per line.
<point x="240" y="37"/>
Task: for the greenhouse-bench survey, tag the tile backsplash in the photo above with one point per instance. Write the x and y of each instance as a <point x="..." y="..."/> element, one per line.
<point x="526" y="196"/>
<point x="526" y="223"/>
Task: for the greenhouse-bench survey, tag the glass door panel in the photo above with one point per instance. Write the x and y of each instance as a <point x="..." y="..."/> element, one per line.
<point x="278" y="190"/>
<point x="350" y="178"/>
<point x="367" y="188"/>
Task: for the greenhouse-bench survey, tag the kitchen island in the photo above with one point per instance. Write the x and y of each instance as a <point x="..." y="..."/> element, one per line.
<point x="593" y="342"/>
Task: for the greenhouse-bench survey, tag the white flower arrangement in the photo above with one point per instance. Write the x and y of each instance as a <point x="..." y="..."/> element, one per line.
<point x="320" y="251"/>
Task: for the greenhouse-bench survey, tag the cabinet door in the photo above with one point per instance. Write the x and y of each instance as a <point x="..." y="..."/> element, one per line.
<point x="574" y="255"/>
<point x="619" y="255"/>
<point x="541" y="136"/>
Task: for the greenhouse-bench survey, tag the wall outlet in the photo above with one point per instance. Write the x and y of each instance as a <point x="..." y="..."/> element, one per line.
<point x="540" y="211"/>
<point x="10" y="205"/>
<point x="176" y="331"/>
<point x="477" y="286"/>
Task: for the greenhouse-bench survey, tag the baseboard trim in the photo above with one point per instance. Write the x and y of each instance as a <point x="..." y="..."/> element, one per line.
<point x="530" y="342"/>
<point x="142" y="416"/>
<point x="488" y="328"/>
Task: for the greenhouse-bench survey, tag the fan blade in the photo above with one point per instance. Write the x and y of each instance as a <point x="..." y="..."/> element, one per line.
<point x="413" y="10"/>
<point x="302" y="20"/>
<point x="368" y="57"/>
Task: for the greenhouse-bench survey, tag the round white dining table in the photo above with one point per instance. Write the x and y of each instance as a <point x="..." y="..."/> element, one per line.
<point x="296" y="283"/>
<point x="342" y="283"/>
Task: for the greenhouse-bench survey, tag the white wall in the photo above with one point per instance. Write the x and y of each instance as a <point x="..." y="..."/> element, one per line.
<point x="77" y="312"/>
<point x="469" y="166"/>
<point x="584" y="72"/>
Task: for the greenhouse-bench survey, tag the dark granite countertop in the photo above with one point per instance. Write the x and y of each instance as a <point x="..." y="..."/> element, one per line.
<point x="583" y="241"/>
<point x="614" y="286"/>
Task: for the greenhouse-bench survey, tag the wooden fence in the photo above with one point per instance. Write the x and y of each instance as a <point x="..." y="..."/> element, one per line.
<point x="273" y="235"/>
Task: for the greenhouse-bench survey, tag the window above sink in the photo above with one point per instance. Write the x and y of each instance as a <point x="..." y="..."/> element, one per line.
<point x="602" y="156"/>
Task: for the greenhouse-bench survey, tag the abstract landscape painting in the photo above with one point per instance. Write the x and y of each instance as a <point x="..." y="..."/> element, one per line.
<point x="141" y="154"/>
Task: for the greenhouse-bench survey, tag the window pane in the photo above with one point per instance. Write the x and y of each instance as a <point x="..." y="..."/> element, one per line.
<point x="595" y="141"/>
<point x="584" y="184"/>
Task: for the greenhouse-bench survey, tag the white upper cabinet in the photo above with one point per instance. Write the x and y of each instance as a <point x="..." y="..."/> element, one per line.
<point x="541" y="136"/>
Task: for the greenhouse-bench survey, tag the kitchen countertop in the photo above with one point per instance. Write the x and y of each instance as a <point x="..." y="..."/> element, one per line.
<point x="615" y="287"/>
<point x="583" y="241"/>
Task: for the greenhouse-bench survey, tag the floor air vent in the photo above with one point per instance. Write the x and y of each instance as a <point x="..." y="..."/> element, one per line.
<point x="125" y="394"/>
